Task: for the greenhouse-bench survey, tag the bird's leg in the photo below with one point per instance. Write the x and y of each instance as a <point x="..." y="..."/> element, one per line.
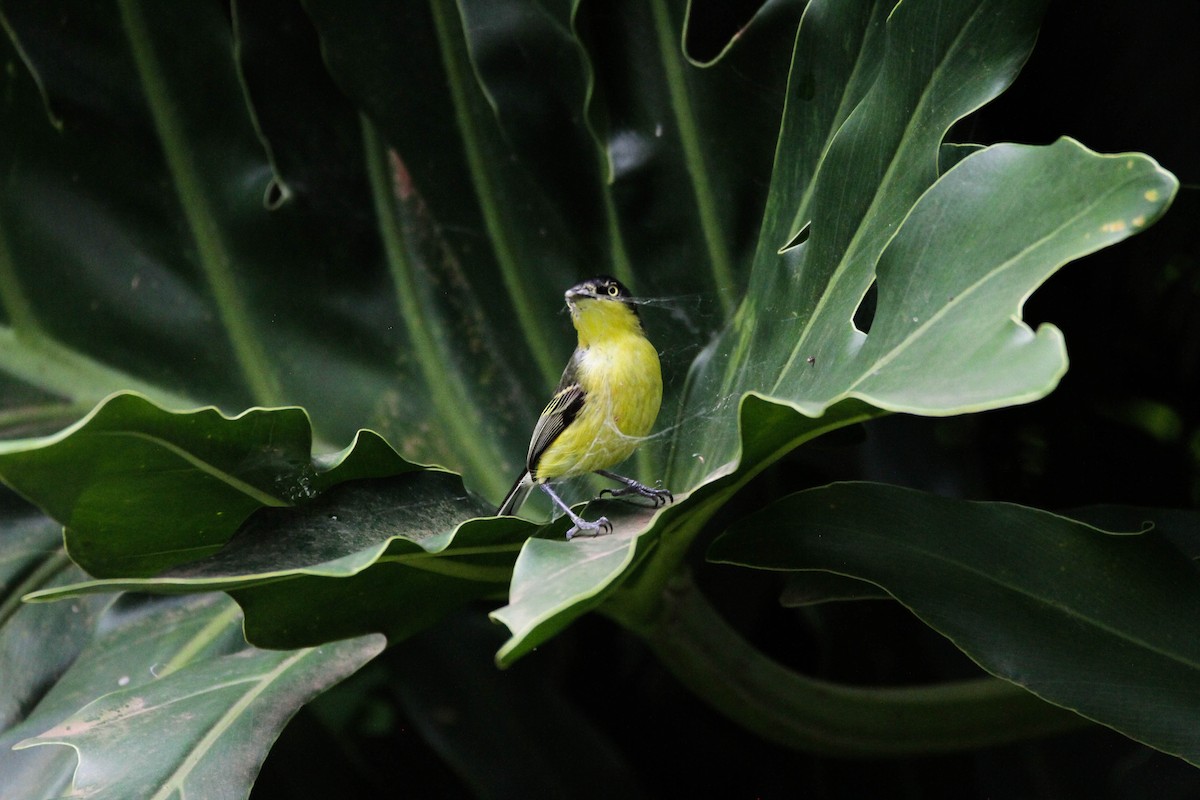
<point x="581" y="524"/>
<point x="660" y="496"/>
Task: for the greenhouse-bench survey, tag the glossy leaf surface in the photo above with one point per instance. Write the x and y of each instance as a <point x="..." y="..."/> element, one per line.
<point x="1100" y="623"/>
<point x="163" y="698"/>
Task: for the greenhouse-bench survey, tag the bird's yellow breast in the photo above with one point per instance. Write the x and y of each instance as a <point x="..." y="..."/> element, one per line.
<point x="622" y="381"/>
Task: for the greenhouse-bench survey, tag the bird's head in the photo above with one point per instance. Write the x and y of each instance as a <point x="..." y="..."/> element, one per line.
<point x="601" y="307"/>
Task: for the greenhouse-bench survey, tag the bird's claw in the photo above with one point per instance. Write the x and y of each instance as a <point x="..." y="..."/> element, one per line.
<point x="660" y="497"/>
<point x="601" y="524"/>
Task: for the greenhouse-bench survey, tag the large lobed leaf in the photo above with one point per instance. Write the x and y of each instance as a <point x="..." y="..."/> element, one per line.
<point x="985" y="235"/>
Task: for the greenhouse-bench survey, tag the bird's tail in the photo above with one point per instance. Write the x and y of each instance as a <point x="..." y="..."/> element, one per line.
<point x="516" y="495"/>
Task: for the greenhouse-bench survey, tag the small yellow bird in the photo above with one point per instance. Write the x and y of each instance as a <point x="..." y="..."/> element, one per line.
<point x="604" y="406"/>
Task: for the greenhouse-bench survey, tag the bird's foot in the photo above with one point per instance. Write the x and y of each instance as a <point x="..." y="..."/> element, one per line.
<point x="594" y="528"/>
<point x="660" y="497"/>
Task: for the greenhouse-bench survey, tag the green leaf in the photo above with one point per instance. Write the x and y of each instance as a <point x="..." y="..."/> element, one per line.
<point x="231" y="709"/>
<point x="36" y="646"/>
<point x="209" y="707"/>
<point x="109" y="477"/>
<point x="986" y="233"/>
<point x="554" y="580"/>
<point x="1053" y="605"/>
<point x="120" y="247"/>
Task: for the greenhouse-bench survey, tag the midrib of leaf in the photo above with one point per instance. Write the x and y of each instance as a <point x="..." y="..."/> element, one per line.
<point x="852" y="247"/>
<point x="622" y="268"/>
<point x="621" y="265"/>
<point x="175" y="781"/>
<point x="215" y="259"/>
<point x="766" y="249"/>
<point x="450" y="397"/>
<point x="234" y="582"/>
<point x="207" y="468"/>
<point x="840" y="116"/>
<point x="191" y="585"/>
<point x="537" y="335"/>
<point x="689" y="137"/>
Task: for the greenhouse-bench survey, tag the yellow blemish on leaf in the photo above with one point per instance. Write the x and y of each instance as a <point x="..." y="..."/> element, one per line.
<point x="1139" y="221"/>
<point x="1151" y="195"/>
<point x="1116" y="226"/>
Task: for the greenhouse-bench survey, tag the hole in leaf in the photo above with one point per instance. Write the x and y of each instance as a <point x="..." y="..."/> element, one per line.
<point x="800" y="238"/>
<point x="864" y="315"/>
<point x="276" y="194"/>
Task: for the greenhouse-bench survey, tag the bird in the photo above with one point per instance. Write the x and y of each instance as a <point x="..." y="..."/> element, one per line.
<point x="604" y="406"/>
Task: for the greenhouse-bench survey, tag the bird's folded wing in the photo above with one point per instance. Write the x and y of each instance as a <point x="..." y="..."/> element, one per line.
<point x="558" y="414"/>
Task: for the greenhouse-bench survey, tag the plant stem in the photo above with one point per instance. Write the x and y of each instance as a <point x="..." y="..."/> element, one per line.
<point x="709" y="657"/>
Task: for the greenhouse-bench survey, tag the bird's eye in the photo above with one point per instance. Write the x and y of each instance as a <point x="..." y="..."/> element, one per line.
<point x="613" y="290"/>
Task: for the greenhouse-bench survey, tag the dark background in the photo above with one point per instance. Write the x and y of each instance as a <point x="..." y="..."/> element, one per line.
<point x="592" y="715"/>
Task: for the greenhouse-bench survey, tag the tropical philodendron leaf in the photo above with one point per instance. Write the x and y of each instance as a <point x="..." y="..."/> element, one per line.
<point x="390" y="555"/>
<point x="36" y="646"/>
<point x="141" y="489"/>
<point x="983" y="236"/>
<point x="166" y="701"/>
<point x="952" y="258"/>
<point x="1054" y="605"/>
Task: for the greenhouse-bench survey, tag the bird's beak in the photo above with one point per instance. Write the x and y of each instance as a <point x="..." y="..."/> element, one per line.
<point x="581" y="292"/>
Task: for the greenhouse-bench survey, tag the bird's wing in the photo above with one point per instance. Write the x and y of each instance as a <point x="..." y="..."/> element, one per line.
<point x="559" y="413"/>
